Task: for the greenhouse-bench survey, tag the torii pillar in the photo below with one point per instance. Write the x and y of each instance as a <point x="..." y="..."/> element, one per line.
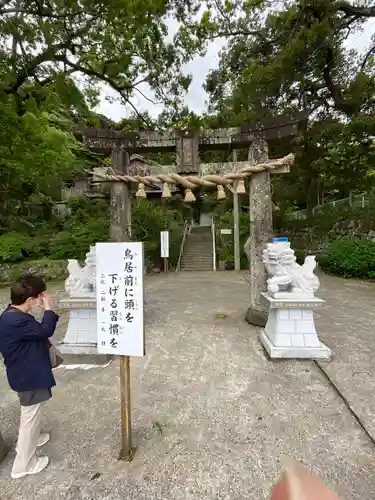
<point x="260" y="212"/>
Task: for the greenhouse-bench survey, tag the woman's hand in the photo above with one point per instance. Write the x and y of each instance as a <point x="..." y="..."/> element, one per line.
<point x="47" y="301"/>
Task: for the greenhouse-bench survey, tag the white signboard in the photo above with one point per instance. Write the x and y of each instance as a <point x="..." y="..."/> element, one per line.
<point x="226" y="231"/>
<point x="164" y="244"/>
<point x="119" y="293"/>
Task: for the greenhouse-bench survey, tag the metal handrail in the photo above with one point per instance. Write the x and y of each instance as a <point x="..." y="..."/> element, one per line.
<point x="213" y="244"/>
<point x="187" y="228"/>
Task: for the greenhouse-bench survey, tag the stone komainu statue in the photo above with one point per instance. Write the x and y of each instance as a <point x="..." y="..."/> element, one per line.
<point x="287" y="277"/>
<point x="81" y="282"/>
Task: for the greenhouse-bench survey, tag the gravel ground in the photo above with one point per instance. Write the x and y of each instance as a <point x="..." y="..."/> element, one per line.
<point x="212" y="416"/>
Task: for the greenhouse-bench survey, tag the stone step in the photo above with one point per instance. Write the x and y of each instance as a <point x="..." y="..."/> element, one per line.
<point x="197" y="269"/>
<point x="200" y="235"/>
<point x="199" y="243"/>
<point x="195" y="249"/>
<point x="195" y="262"/>
<point x="206" y="236"/>
<point x="198" y="259"/>
<point x="200" y="230"/>
<point x="203" y="249"/>
<point x="192" y="253"/>
<point x="196" y="245"/>
<point x="207" y="244"/>
<point x="197" y="254"/>
<point x="198" y="238"/>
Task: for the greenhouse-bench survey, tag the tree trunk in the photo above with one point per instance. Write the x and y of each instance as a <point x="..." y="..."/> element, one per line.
<point x="311" y="195"/>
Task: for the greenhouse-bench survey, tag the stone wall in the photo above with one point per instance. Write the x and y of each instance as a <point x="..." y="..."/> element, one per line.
<point x="315" y="239"/>
<point x="48" y="269"/>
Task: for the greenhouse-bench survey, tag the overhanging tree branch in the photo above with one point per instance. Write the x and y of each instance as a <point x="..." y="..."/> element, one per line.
<point x="145" y="97"/>
<point x="122" y="90"/>
<point x="50" y="54"/>
<point x="369" y="53"/>
<point x="239" y="32"/>
<point x="41" y="13"/>
<point x="29" y="69"/>
<point x="354" y="10"/>
<point x="334" y="89"/>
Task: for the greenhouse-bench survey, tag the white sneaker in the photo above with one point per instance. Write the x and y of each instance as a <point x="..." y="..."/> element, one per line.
<point x="41" y="464"/>
<point x="43" y="439"/>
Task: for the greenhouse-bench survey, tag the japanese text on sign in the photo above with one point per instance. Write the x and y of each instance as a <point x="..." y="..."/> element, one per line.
<point x="119" y="268"/>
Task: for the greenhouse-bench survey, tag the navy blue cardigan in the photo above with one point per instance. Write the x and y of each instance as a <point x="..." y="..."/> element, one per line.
<point x="24" y="345"/>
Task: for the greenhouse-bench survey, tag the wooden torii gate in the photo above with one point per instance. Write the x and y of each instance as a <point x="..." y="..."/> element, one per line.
<point x="190" y="173"/>
<point x="186" y="144"/>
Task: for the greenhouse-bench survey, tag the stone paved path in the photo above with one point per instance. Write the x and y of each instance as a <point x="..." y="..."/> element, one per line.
<point x="347" y="325"/>
<point x="212" y="416"/>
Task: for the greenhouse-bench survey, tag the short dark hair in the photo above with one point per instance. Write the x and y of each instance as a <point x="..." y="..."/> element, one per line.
<point x="26" y="286"/>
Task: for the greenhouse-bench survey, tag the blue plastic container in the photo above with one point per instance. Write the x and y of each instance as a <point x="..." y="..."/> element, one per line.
<point x="280" y="240"/>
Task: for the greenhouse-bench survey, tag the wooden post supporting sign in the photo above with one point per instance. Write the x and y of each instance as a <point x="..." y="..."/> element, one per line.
<point x="126" y="450"/>
<point x="120" y="230"/>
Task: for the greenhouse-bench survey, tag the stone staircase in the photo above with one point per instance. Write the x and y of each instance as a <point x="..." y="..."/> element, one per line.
<point x="197" y="254"/>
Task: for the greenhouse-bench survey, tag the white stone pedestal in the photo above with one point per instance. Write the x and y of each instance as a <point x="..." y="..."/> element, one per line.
<point x="81" y="335"/>
<point x="290" y="330"/>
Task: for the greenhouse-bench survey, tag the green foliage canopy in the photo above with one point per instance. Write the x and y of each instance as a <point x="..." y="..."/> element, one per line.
<point x="120" y="43"/>
<point x="281" y="58"/>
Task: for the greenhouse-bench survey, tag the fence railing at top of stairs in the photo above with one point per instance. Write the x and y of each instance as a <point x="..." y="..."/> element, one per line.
<point x="187" y="229"/>
<point x="354" y="201"/>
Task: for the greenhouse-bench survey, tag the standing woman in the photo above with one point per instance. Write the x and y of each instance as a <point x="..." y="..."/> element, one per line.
<point x="25" y="346"/>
